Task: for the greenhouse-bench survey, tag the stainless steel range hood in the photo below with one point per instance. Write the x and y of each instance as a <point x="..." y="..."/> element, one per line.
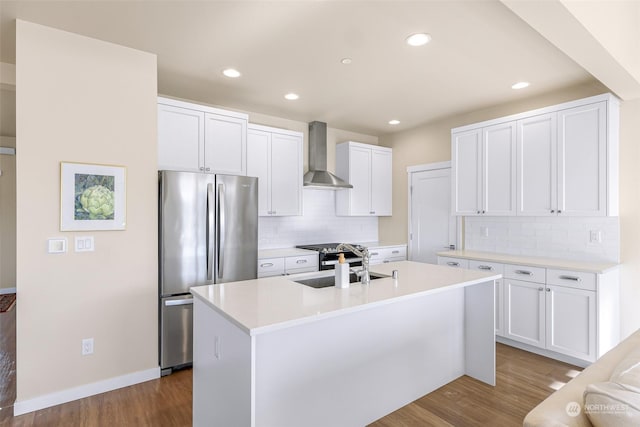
<point x="318" y="176"/>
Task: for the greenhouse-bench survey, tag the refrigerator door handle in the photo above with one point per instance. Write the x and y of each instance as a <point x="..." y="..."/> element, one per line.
<point x="185" y="301"/>
<point x="221" y="230"/>
<point x="210" y="233"/>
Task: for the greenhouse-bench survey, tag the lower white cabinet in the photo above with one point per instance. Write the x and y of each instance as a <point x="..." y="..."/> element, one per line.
<point x="277" y="263"/>
<point x="384" y="254"/>
<point x="566" y="312"/>
<point x="524" y="309"/>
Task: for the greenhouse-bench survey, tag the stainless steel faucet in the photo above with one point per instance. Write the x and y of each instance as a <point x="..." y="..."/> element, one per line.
<point x="364" y="253"/>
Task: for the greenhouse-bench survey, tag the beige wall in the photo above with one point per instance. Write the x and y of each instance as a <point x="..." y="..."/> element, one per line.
<point x="431" y="143"/>
<point x="83" y="100"/>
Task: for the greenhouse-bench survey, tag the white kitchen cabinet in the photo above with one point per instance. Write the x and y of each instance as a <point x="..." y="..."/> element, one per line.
<point x="566" y="162"/>
<point x="525" y="312"/>
<point x="280" y="262"/>
<point x="537" y="165"/>
<point x="275" y="157"/>
<point x="384" y="254"/>
<point x="484" y="170"/>
<point x="550" y="310"/>
<point x="571" y="321"/>
<point x="369" y="169"/>
<point x="562" y="163"/>
<point x="198" y="138"/>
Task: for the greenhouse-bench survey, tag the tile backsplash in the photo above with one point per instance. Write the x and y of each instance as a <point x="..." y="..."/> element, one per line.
<point x="550" y="237"/>
<point x="319" y="224"/>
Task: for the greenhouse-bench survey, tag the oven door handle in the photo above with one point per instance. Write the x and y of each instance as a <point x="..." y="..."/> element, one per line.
<point x="347" y="260"/>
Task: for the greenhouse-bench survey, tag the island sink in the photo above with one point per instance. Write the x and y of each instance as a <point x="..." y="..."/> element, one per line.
<point x="326" y="281"/>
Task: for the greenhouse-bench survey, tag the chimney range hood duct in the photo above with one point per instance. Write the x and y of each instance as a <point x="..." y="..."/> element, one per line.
<point x="318" y="176"/>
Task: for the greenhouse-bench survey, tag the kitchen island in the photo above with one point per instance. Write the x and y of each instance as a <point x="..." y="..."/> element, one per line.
<point x="273" y="352"/>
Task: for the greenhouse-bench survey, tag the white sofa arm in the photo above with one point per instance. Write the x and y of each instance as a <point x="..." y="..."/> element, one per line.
<point x="552" y="412"/>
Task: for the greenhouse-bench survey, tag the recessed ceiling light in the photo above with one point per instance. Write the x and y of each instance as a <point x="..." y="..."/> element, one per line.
<point x="520" y="85"/>
<point x="418" y="39"/>
<point x="345" y="61"/>
<point x="231" y="72"/>
<point x="394" y="122"/>
<point x="292" y="96"/>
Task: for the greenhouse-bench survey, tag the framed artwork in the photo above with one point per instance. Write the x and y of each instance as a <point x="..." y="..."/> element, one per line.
<point x="92" y="197"/>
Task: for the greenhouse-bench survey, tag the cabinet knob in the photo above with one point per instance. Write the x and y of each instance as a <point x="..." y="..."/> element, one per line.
<point x="553" y="211"/>
<point x="201" y="168"/>
<point x="482" y="211"/>
<point x="478" y="212"/>
<point x="548" y="289"/>
<point x="208" y="169"/>
<point x="372" y="212"/>
<point x="540" y="288"/>
<point x="559" y="211"/>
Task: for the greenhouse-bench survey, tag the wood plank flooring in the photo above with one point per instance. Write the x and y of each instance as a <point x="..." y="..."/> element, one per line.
<point x="523" y="380"/>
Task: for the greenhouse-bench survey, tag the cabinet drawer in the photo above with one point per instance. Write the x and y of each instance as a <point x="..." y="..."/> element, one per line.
<point x="453" y="262"/>
<point x="304" y="261"/>
<point x="493" y="267"/>
<point x="270" y="267"/>
<point x="309" y="269"/>
<point x="572" y="279"/>
<point x="524" y="272"/>
<point x="388" y="253"/>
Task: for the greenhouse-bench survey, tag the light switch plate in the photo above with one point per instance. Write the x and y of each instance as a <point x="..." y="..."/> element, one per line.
<point x="57" y="245"/>
<point x="84" y="244"/>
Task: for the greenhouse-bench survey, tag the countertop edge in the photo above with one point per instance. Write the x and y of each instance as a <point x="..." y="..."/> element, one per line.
<point x="584" y="266"/>
<point x="339" y="312"/>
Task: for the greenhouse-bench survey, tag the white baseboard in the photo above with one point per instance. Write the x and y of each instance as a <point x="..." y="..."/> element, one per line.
<point x="7" y="291"/>
<point x="543" y="352"/>
<point x="64" y="396"/>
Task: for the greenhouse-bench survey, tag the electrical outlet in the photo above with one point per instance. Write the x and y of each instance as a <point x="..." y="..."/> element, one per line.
<point x="595" y="236"/>
<point x="484" y="231"/>
<point x="87" y="346"/>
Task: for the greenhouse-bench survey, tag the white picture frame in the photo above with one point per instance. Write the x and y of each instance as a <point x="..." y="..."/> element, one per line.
<point x="92" y="197"/>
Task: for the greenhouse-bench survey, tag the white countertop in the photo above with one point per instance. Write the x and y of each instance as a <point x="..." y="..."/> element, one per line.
<point x="589" y="267"/>
<point x="284" y="252"/>
<point x="267" y="304"/>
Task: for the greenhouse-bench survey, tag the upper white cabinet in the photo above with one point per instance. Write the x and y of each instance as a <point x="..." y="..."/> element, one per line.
<point x="484" y="169"/>
<point x="566" y="162"/>
<point x="198" y="138"/>
<point x="368" y="168"/>
<point x="275" y="157"/>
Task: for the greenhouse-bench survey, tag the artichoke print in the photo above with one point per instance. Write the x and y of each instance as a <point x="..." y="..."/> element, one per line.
<point x="95" y="197"/>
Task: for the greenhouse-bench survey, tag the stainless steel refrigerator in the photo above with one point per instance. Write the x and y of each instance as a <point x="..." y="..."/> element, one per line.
<point x="208" y="228"/>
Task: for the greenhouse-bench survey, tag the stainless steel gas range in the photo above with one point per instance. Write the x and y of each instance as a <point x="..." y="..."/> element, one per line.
<point x="328" y="255"/>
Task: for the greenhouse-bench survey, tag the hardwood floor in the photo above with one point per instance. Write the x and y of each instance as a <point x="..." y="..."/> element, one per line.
<point x="523" y="380"/>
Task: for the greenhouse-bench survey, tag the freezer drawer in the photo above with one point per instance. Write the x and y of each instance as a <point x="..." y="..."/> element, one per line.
<point x="176" y="332"/>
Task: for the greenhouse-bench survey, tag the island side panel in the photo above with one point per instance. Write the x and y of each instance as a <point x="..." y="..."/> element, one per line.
<point x="221" y="370"/>
<point x="480" y="346"/>
<point x="353" y="369"/>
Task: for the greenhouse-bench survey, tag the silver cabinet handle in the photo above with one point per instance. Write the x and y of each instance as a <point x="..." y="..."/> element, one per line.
<point x="548" y="289"/>
<point x="207" y="169"/>
<point x="395" y="252"/>
<point x="525" y="272"/>
<point x="478" y="212"/>
<point x="453" y="264"/>
<point x="301" y="261"/>
<point x="374" y="253"/>
<point x="482" y="211"/>
<point x="267" y="264"/>
<point x="540" y="288"/>
<point x="372" y="212"/>
<point x="574" y="278"/>
<point x="559" y="211"/>
<point x="201" y="168"/>
<point x="485" y="267"/>
<point x="553" y="211"/>
<point x="173" y="302"/>
<point x="385" y="261"/>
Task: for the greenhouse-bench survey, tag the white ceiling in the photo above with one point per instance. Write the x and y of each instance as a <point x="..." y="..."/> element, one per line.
<point x="479" y="49"/>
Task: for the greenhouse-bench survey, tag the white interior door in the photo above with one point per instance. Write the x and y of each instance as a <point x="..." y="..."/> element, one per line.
<point x="432" y="228"/>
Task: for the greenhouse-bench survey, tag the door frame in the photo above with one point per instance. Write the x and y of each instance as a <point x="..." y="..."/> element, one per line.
<point x="426" y="168"/>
